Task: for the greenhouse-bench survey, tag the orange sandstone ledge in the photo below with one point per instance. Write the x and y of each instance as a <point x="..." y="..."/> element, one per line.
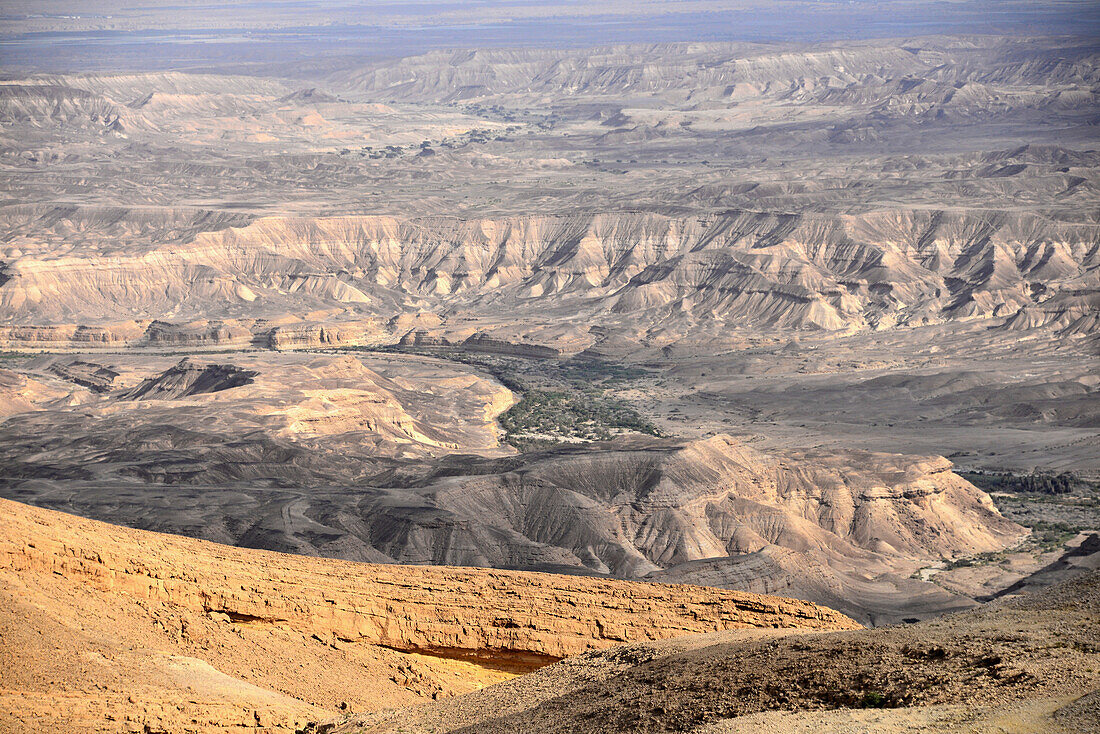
<point x="531" y="618"/>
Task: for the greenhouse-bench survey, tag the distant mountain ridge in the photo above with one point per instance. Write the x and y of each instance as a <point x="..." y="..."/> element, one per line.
<point x="634" y="272"/>
<point x="704" y="71"/>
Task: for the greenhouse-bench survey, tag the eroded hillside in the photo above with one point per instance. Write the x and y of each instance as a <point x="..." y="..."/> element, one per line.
<point x="667" y="191"/>
<point x="131" y="628"/>
<point x="421" y="310"/>
<point x="646" y="278"/>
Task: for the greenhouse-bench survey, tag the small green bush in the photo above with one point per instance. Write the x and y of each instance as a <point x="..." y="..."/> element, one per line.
<point x="873" y="700"/>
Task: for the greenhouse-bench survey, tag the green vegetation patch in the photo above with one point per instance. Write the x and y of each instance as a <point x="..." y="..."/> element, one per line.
<point x="1039" y="482"/>
<point x="586" y="416"/>
<point x="561" y="401"/>
<point x="873" y="700"/>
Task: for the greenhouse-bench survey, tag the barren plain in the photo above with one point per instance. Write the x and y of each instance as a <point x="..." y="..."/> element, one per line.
<point x="818" y="320"/>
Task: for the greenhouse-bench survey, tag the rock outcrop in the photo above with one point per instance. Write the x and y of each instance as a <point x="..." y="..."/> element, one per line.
<point x="201" y="333"/>
<point x="70" y="336"/>
<point x="840" y="187"/>
<point x="187" y="379"/>
<point x="1029" y="664"/>
<point x="314" y="336"/>
<point x="192" y="606"/>
<point x="522" y="618"/>
<point x="95" y="377"/>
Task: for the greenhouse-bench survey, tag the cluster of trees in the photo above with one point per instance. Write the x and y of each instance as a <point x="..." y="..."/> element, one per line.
<point x="1043" y="482"/>
<point x="585" y="373"/>
<point x="586" y="416"/>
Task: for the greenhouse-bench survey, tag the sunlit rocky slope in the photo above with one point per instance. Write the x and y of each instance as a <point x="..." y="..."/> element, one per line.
<point x="1025" y="664"/>
<point x="110" y="629"/>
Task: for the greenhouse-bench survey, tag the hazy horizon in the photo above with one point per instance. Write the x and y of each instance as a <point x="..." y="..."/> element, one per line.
<point x="60" y="36"/>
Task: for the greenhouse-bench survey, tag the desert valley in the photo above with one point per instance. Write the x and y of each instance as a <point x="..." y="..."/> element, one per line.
<point x="648" y="380"/>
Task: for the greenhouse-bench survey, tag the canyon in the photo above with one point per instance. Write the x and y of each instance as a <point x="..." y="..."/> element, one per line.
<point x="501" y="388"/>
<point x="343" y="456"/>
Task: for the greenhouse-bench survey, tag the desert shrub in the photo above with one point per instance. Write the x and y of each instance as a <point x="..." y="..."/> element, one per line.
<point x="1036" y="482"/>
<point x="873" y="700"/>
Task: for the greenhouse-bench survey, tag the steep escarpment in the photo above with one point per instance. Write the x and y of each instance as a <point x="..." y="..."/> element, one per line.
<point x="741" y="270"/>
<point x="39" y="105"/>
<point x="712" y="68"/>
<point x="206" y="614"/>
<point x="56" y="229"/>
<point x="287" y="331"/>
<point x="717" y="71"/>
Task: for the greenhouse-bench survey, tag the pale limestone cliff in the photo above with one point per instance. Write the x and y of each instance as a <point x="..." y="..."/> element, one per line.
<point x="625" y="271"/>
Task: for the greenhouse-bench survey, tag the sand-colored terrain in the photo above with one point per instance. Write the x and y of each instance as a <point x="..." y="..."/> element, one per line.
<point x="107" y="629"/>
<point x="647" y="278"/>
<point x="372" y="457"/>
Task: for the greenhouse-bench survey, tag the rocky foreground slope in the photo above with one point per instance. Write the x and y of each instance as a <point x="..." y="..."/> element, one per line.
<point x="112" y="629"/>
<point x="1029" y="664"/>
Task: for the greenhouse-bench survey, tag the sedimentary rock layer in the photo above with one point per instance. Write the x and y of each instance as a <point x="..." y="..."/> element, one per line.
<point x="740" y="269"/>
<point x="112" y="629"/>
<point x="451" y="611"/>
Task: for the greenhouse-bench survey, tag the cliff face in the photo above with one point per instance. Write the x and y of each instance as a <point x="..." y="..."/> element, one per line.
<point x="422" y="631"/>
<point x="513" y="616"/>
<point x="738" y="270"/>
<point x="1031" y="661"/>
<point x="295" y="333"/>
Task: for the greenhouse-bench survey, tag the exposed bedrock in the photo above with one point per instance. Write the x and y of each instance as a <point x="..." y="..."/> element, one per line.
<point x="635" y="506"/>
<point x="739" y="269"/>
<point x="527" y="619"/>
